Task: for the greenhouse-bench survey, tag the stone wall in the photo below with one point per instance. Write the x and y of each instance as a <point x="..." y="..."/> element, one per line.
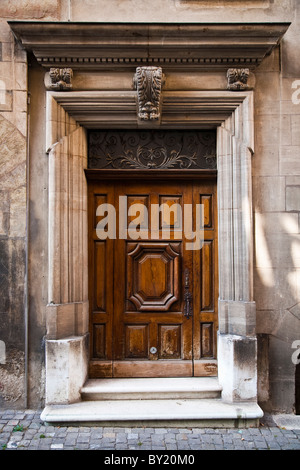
<point x="276" y="186"/>
<point x="14" y="100"/>
<point x="276" y="180"/>
<point x="13" y="139"/>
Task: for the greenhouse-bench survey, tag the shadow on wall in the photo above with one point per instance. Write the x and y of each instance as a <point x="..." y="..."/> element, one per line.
<point x="276" y="291"/>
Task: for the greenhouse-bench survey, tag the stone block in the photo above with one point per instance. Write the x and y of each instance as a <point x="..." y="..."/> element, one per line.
<point x="4" y="280"/>
<point x="67" y="319"/>
<point x="237" y="367"/>
<point x="20" y="101"/>
<point x="282" y="369"/>
<point x="4" y="213"/>
<point x="278" y="250"/>
<point x="263" y="367"/>
<point x="266" y="321"/>
<point x="267" y="93"/>
<point x="6" y="34"/>
<point x="269" y="194"/>
<point x="6" y="73"/>
<point x="289" y="162"/>
<point x="6" y="51"/>
<point x="12" y="147"/>
<point x="285" y="129"/>
<point x="18" y="213"/>
<point x="295" y="129"/>
<point x="267" y="129"/>
<point x="293" y="180"/>
<point x="61" y="320"/>
<point x="271" y="63"/>
<point x="237" y="317"/>
<point x="66" y="369"/>
<point x="6" y="98"/>
<point x="15" y="178"/>
<point x="274" y="222"/>
<point x="266" y="161"/>
<point x="293" y="198"/>
<point x="276" y="288"/>
<point x="29" y="10"/>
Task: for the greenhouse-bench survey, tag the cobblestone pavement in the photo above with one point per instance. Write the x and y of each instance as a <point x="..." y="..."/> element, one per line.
<point x="23" y="430"/>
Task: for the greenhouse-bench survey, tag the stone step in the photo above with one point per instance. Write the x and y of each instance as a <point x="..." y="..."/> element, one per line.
<point x="158" y="413"/>
<point x="151" y="388"/>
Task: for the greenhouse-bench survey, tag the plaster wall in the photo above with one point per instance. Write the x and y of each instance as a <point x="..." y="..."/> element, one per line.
<point x="276" y="183"/>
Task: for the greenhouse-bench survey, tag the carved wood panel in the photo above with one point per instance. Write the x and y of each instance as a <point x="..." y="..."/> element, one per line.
<point x="206" y="264"/>
<point x="100" y="254"/>
<point x="136" y="341"/>
<point x="153" y="275"/>
<point x="169" y="341"/>
<point x="139" y="326"/>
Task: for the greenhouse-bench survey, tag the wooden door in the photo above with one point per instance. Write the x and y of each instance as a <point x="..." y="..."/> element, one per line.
<point x="152" y="297"/>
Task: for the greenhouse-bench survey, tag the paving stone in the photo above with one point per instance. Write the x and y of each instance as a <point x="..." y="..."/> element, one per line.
<point x="38" y="436"/>
<point x="56" y="446"/>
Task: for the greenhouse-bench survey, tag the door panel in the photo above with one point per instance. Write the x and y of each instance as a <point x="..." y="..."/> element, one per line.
<point x="205" y="265"/>
<point x="153" y="275"/>
<point x="149" y="323"/>
<point x="100" y="285"/>
<point x="145" y="281"/>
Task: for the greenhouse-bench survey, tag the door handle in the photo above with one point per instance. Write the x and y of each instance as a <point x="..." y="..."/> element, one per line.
<point x="188" y="298"/>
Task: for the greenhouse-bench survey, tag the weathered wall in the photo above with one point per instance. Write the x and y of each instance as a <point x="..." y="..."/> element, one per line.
<point x="13" y="131"/>
<point x="276" y="185"/>
<point x="13" y="202"/>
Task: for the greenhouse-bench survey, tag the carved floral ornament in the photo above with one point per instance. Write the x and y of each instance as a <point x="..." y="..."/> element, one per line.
<point x="148" y="82"/>
<point x="237" y="79"/>
<point x="60" y="79"/>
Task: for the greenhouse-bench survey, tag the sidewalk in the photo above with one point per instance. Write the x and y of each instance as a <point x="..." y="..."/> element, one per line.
<point x="23" y="430"/>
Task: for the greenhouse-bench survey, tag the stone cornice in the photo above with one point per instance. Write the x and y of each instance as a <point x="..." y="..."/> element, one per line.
<point x="170" y="45"/>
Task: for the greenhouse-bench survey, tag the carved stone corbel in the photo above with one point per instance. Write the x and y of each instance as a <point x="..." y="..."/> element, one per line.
<point x="59" y="79"/>
<point x="148" y="82"/>
<point x="237" y="79"/>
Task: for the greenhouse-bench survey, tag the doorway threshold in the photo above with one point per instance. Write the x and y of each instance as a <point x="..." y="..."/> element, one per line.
<point x="151" y="388"/>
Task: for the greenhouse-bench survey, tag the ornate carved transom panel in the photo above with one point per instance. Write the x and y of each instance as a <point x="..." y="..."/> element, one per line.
<point x="152" y="149"/>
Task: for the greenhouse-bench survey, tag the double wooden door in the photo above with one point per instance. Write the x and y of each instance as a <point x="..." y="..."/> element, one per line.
<point x="152" y="278"/>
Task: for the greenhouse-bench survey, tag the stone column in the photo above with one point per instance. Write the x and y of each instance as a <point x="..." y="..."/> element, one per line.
<point x="67" y="309"/>
<point x="237" y="311"/>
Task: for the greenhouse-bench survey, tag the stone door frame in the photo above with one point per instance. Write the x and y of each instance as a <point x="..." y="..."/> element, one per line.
<point x="68" y="115"/>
